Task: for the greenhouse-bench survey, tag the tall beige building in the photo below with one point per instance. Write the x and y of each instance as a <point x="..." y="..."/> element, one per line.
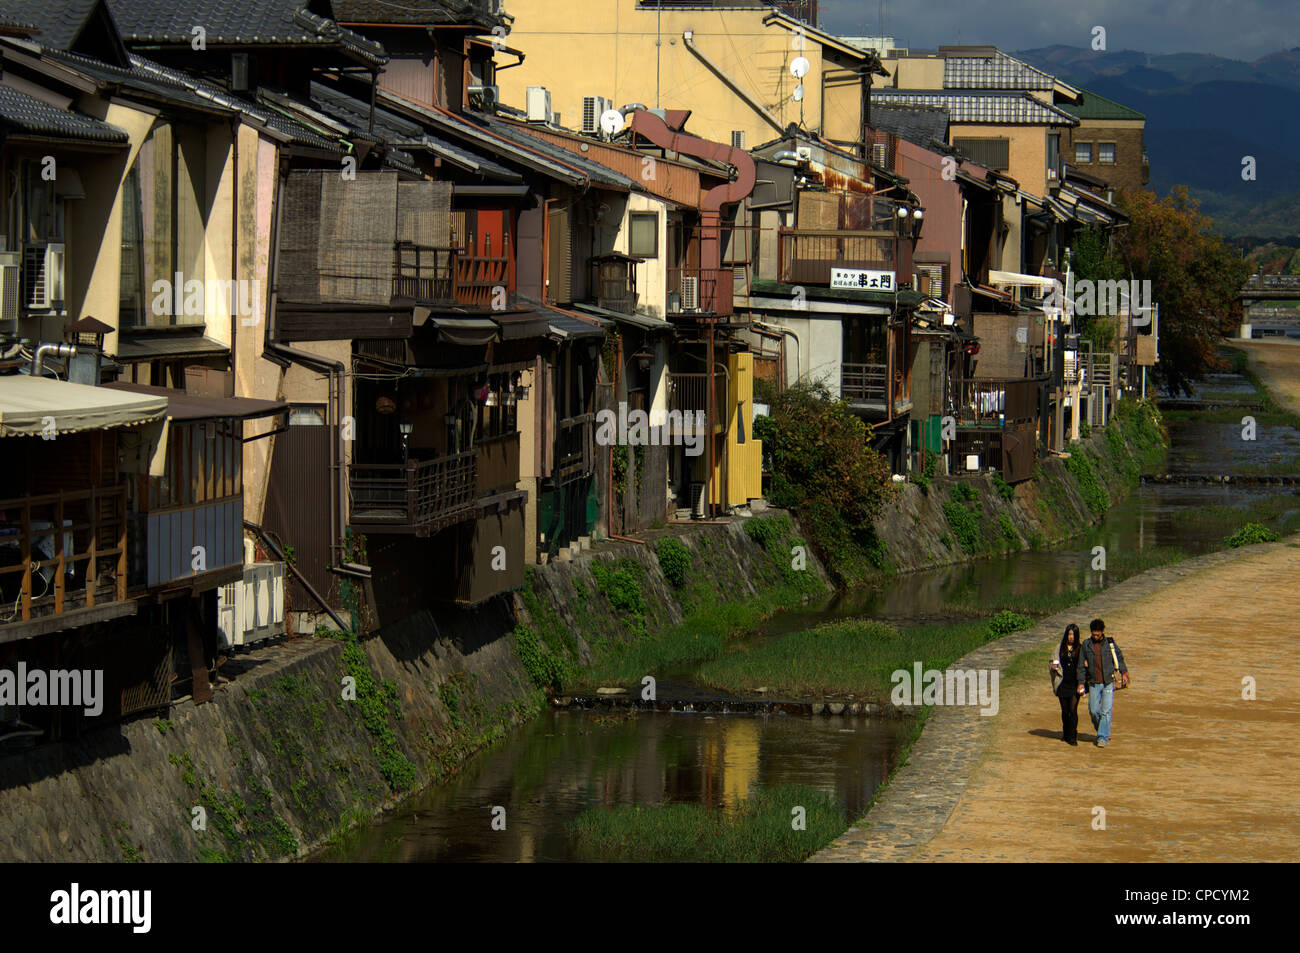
<point x="730" y="63"/>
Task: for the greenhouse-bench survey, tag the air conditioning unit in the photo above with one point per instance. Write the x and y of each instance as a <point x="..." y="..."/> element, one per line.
<point x="593" y="107"/>
<point x="880" y="154"/>
<point x="488" y="96"/>
<point x="697" y="500"/>
<point x="538" y="104"/>
<point x="690" y="293"/>
<point x="11" y="277"/>
<point x="43" y="274"/>
<point x="737" y="138"/>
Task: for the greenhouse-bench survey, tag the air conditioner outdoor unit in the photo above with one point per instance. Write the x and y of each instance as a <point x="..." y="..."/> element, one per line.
<point x="11" y="271"/>
<point x="538" y="104"/>
<point x="690" y="293"/>
<point x="880" y="154"/>
<point x="488" y="96"/>
<point x="43" y="271"/>
<point x="737" y="138"/>
<point x="593" y="107"/>
<point x="697" y="500"/>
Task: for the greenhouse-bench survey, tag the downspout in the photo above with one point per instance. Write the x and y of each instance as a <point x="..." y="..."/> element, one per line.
<point x="688" y="40"/>
<point x="279" y="554"/>
<point x="235" y="298"/>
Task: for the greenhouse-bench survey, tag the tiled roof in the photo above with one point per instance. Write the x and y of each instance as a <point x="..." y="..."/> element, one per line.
<point x="923" y="125"/>
<point x="1095" y="106"/>
<point x="979" y="107"/>
<point x="60" y="21"/>
<point x="998" y="71"/>
<point x="31" y="116"/>
<point x="237" y="23"/>
<point x="405" y="133"/>
<point x="424" y="12"/>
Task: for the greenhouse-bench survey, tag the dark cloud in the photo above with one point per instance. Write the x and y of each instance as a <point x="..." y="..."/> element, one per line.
<point x="1241" y="29"/>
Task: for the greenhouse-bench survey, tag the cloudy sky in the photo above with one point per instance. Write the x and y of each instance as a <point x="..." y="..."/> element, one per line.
<point x="1241" y="29"/>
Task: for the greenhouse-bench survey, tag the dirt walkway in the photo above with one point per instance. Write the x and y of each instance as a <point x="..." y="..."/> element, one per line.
<point x="1192" y="772"/>
<point x="1277" y="362"/>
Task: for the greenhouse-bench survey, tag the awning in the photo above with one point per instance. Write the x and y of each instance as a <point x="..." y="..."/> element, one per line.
<point x="458" y="329"/>
<point x="521" y="324"/>
<point x="1020" y="281"/>
<point x="39" y="405"/>
<point x="167" y="344"/>
<point x="188" y="407"/>
<point x="644" y="322"/>
<point x="565" y="327"/>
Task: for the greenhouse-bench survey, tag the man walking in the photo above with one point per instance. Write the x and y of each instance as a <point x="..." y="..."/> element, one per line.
<point x="1100" y="664"/>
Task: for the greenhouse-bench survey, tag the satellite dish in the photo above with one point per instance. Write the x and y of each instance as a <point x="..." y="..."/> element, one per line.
<point x="799" y="67"/>
<point x="798" y="93"/>
<point x="611" y="120"/>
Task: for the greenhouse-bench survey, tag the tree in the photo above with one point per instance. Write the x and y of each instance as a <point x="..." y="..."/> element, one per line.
<point x="1195" y="277"/>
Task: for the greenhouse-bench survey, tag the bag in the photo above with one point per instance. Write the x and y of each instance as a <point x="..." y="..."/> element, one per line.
<point x="1118" y="681"/>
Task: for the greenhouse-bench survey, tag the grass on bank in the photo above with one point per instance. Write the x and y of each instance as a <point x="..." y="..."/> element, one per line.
<point x="762" y="829"/>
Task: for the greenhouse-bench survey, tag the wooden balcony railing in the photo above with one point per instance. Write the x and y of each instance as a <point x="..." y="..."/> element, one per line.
<point x="449" y="275"/>
<point x="419" y="496"/>
<point x="62" y="551"/>
<point x="807" y="257"/>
<point x="573" y="448"/>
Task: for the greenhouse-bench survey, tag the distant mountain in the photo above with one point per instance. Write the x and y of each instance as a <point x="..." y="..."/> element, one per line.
<point x="1204" y="115"/>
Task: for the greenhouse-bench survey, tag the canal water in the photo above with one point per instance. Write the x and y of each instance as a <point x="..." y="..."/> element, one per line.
<point x="565" y="761"/>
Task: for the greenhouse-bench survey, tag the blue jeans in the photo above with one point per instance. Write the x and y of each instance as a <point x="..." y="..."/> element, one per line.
<point x="1100" y="698"/>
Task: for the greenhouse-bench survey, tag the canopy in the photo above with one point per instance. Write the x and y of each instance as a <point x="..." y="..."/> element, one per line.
<point x="36" y="405"/>
<point x="1019" y="280"/>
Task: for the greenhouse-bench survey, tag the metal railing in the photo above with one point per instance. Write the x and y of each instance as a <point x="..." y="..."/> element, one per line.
<point x="864" y="383"/>
<point x="252" y="609"/>
<point x="417" y="496"/>
<point x="699" y="291"/>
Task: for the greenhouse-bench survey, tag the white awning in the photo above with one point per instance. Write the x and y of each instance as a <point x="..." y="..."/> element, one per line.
<point x="31" y="406"/>
<point x="1020" y="281"/>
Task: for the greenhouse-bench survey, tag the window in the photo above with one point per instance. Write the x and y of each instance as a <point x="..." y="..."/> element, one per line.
<point x="165" y="209"/>
<point x="1106" y="152"/>
<point x="993" y="154"/>
<point x="1082" y="152"/>
<point x="643" y="235"/>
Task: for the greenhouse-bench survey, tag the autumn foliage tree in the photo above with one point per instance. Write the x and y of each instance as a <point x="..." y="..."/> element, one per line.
<point x="1196" y="278"/>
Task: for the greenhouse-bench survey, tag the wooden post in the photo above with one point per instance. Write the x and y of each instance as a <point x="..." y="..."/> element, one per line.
<point x="92" y="572"/>
<point x="27" y="560"/>
<point x="58" y="554"/>
<point x="121" y="544"/>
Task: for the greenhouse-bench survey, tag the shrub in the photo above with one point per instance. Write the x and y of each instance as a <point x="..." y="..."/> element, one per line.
<point x="674" y="560"/>
<point x="1005" y="489"/>
<point x="1008" y="529"/>
<point x="1006" y="622"/>
<point x="964" y="493"/>
<point x="964" y="525"/>
<point x="1250" y="534"/>
<point x="1081" y="466"/>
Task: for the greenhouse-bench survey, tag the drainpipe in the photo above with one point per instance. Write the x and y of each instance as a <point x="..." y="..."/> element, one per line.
<point x="688" y="40"/>
<point x="58" y="350"/>
<point x="279" y="554"/>
<point x="236" y="298"/>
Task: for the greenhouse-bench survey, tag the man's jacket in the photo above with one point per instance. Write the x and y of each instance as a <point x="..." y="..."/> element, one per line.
<point x="1084" y="671"/>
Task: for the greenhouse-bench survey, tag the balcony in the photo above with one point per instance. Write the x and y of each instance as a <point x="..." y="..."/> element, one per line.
<point x="419" y="496"/>
<point x="497" y="464"/>
<point x="448" y="275"/>
<point x="696" y="292"/>
<point x="44" y="573"/>
<point x="866" y="387"/>
<point x="807" y="257"/>
<point x="573" y="449"/>
<point x="996" y="404"/>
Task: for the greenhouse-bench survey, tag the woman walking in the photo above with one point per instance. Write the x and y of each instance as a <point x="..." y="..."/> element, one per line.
<point x="1064" y="665"/>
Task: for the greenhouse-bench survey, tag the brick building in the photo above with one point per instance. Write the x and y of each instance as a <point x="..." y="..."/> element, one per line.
<point x="1108" y="142"/>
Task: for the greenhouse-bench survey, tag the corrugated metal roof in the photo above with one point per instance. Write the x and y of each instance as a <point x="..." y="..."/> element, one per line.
<point x="644" y="322"/>
<point x="35" y="118"/>
<point x="142" y="347"/>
